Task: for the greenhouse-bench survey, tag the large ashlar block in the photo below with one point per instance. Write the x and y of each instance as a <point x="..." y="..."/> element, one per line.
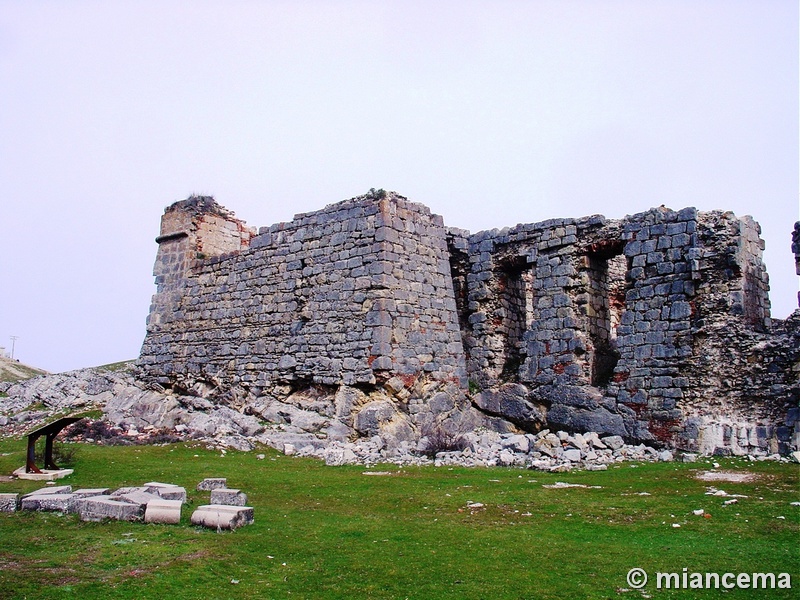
<point x="141" y="489"/>
<point x="99" y="508"/>
<point x="228" y="497"/>
<point x="89" y="492"/>
<point x="220" y="516"/>
<point x="56" y="489"/>
<point x="9" y="502"/>
<point x="135" y="497"/>
<point x="167" y="491"/>
<point x="163" y="511"/>
<point x="65" y="503"/>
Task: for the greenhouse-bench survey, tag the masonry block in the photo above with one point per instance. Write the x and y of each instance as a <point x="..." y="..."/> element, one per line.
<point x="229" y="497"/>
<point x="219" y="516"/>
<point x="163" y="511"/>
<point x="99" y="508"/>
<point x="9" y="502"/>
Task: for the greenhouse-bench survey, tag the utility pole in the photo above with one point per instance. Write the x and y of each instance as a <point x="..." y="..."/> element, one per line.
<point x="14" y="339"/>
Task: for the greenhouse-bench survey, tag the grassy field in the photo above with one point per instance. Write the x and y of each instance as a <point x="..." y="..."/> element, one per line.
<point x="334" y="532"/>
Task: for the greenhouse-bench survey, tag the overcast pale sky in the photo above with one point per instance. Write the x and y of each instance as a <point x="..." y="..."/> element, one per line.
<point x="492" y="113"/>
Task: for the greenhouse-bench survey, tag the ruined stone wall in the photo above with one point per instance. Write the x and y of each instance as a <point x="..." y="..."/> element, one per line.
<point x="655" y="327"/>
<point x="192" y="229"/>
<point x="741" y="379"/>
<point x="796" y="250"/>
<point x="654" y="337"/>
<point x="337" y="296"/>
<point x="642" y="327"/>
<point x="523" y="305"/>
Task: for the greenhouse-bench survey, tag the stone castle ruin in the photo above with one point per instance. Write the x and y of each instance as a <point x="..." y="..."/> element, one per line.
<point x="371" y="317"/>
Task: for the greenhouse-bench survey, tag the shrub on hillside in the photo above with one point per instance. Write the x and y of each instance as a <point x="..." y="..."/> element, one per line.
<point x="441" y="440"/>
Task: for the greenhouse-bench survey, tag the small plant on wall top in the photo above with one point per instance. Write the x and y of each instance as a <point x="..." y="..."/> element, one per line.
<point x="378" y="194"/>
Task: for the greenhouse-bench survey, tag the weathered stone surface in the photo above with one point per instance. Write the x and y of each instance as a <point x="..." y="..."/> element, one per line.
<point x="229" y="497"/>
<point x="516" y="443"/>
<point x="89" y="492"/>
<point x="166" y="491"/>
<point x="370" y="318"/>
<point x="279" y="439"/>
<point x="336" y="456"/>
<point x="50" y="502"/>
<point x="43" y="475"/>
<point x="614" y="442"/>
<point x="369" y="419"/>
<point x="98" y="508"/>
<point x="510" y="402"/>
<point x="9" y="502"/>
<point x="218" y="516"/>
<point x="163" y="511"/>
<point x="140" y="498"/>
<point x="53" y="489"/>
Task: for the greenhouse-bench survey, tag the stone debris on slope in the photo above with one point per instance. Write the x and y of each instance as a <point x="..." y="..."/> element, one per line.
<point x="142" y="415"/>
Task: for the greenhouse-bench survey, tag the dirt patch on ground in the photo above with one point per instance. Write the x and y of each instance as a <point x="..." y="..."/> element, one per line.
<point x="728" y="476"/>
<point x="6" y="479"/>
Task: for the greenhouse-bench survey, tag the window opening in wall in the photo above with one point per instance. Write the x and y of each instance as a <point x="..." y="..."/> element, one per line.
<point x="459" y="267"/>
<point x="515" y="314"/>
<point x="606" y="267"/>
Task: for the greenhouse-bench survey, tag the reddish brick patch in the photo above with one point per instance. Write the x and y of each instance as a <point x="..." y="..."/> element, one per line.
<point x="662" y="430"/>
<point x="620" y="377"/>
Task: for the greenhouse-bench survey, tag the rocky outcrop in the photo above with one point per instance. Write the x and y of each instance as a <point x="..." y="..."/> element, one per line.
<point x="314" y="416"/>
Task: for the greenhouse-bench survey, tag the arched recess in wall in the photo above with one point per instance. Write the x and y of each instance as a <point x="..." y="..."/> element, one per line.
<point x="606" y="267"/>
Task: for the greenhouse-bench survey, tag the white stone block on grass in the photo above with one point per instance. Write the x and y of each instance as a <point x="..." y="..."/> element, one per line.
<point x="167" y="491"/>
<point x="163" y="511"/>
<point x="89" y="492"/>
<point x="136" y="497"/>
<point x="99" y="508"/>
<point x="220" y="516"/>
<point x="57" y="489"/>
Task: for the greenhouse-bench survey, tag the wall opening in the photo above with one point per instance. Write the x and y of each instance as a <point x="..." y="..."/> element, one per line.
<point x="515" y="313"/>
<point x="459" y="267"/>
<point x="606" y="267"/>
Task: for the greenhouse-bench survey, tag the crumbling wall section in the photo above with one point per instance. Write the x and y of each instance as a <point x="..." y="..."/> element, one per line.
<point x="654" y="338"/>
<point x="370" y="316"/>
<point x="421" y="332"/>
<point x="744" y="389"/>
<point x="192" y="229"/>
<point x="796" y="251"/>
<point x="544" y="310"/>
<point x="637" y="327"/>
<point x="335" y="297"/>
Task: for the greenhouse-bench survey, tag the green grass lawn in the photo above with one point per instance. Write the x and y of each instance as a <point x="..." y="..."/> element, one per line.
<point x="333" y="532"/>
